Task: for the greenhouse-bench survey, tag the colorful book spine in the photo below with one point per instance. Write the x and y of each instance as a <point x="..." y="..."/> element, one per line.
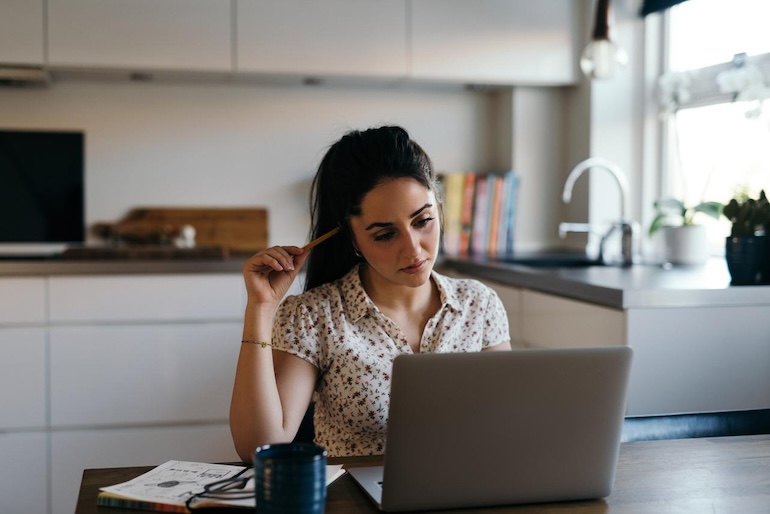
<point x="469" y="194"/>
<point x="501" y="247"/>
<point x="453" y="193"/>
<point x="512" y="194"/>
<point x="480" y="209"/>
<point x="479" y="213"/>
<point x="494" y="217"/>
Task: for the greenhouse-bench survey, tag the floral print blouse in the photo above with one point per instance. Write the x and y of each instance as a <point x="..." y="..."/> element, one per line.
<point x="337" y="328"/>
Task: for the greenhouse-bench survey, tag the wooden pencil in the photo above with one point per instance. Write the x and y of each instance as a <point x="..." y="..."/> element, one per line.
<point x="321" y="239"/>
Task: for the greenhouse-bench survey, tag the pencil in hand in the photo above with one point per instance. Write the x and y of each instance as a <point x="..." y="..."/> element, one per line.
<point x="321" y="239"/>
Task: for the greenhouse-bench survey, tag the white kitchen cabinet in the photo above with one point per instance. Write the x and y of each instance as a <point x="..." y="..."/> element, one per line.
<point x="178" y="332"/>
<point x="22" y="300"/>
<point x="22" y="353"/>
<point x="72" y="451"/>
<point x="333" y="37"/>
<point x="23" y="378"/>
<point x="495" y="41"/>
<point x="112" y="370"/>
<point x="23" y="402"/>
<point x="123" y="374"/>
<point x="21" y="32"/>
<point x="549" y="321"/>
<point x="23" y="483"/>
<point x="140" y="34"/>
<point x="699" y="359"/>
<point x="686" y="360"/>
<point x="172" y="297"/>
<point x="141" y="371"/>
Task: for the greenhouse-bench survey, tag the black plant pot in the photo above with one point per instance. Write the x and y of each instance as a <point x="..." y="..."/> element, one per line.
<point x="765" y="278"/>
<point x="747" y="260"/>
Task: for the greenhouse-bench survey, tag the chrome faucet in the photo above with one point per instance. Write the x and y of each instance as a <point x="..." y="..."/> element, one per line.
<point x="628" y="228"/>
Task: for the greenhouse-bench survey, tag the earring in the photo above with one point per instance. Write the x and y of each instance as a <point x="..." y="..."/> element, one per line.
<point x="358" y="254"/>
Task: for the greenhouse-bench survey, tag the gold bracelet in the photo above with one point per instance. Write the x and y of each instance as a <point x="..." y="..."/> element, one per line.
<point x="263" y="344"/>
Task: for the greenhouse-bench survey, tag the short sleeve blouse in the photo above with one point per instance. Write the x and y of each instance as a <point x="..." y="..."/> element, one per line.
<point x="337" y="328"/>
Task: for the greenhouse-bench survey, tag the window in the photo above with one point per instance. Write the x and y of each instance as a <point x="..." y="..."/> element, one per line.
<point x="718" y="126"/>
<point x="706" y="32"/>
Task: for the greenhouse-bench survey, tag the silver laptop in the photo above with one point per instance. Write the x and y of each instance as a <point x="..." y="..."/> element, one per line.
<point x="501" y="428"/>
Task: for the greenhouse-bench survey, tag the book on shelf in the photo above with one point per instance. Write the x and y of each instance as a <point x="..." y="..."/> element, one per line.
<point x="177" y="486"/>
<point x="480" y="212"/>
<point x="466" y="220"/>
<point x="511" y="187"/>
<point x="495" y="216"/>
<point x="453" y="188"/>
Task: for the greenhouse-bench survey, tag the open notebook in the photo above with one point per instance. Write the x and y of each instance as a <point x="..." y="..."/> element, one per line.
<point x="497" y="428"/>
<point x="170" y="486"/>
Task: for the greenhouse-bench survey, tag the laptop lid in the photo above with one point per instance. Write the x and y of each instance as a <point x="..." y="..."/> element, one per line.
<point x="497" y="428"/>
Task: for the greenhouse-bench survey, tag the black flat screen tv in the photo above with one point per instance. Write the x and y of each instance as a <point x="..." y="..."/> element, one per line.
<point x="41" y="188"/>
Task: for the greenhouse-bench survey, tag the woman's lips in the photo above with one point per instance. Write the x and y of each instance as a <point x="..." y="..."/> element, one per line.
<point x="415" y="268"/>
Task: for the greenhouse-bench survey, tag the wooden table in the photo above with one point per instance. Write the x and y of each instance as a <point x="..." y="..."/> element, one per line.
<point x="722" y="474"/>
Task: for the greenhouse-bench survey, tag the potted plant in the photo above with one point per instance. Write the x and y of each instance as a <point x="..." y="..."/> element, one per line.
<point x="684" y="240"/>
<point x="747" y="250"/>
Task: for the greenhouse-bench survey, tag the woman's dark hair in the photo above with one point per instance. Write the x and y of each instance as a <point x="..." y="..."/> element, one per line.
<point x="352" y="167"/>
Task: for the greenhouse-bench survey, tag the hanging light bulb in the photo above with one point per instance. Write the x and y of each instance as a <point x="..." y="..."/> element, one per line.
<point x="601" y="55"/>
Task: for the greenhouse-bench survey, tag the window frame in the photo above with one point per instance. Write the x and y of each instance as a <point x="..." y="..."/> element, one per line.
<point x="703" y="90"/>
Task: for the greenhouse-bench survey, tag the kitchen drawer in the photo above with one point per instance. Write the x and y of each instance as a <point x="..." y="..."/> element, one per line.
<point x="24" y="472"/>
<point x="699" y="359"/>
<point x="549" y="321"/>
<point x="22" y="378"/>
<point x="138" y="374"/>
<point x="146" y="298"/>
<point x="22" y="300"/>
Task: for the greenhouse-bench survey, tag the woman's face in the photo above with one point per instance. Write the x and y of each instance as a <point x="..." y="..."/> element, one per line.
<point x="398" y="231"/>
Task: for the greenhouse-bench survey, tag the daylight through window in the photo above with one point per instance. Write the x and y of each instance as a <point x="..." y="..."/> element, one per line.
<point x="717" y="105"/>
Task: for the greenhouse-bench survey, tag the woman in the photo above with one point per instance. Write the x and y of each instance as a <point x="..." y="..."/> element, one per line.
<point x="371" y="294"/>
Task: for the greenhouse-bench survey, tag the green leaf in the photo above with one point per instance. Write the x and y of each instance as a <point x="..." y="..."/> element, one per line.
<point x="713" y="209"/>
<point x="670" y="206"/>
<point x="669" y="209"/>
<point x="657" y="223"/>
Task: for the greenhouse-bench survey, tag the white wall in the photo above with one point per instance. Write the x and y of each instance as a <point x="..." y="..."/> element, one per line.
<point x="615" y="119"/>
<point x="198" y="144"/>
<point x="539" y="138"/>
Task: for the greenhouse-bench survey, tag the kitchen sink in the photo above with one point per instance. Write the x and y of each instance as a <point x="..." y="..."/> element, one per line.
<point x="552" y="260"/>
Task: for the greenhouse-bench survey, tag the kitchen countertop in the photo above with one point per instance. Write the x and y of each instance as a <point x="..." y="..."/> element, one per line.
<point x="637" y="286"/>
<point x="59" y="266"/>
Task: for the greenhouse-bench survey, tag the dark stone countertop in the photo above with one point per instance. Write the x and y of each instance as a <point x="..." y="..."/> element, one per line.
<point x="118" y="263"/>
<point x="637" y="286"/>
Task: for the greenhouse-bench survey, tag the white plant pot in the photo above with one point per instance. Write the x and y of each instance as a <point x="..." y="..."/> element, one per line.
<point x="687" y="244"/>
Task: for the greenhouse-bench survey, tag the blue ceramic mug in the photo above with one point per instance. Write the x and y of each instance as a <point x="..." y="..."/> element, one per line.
<point x="290" y="478"/>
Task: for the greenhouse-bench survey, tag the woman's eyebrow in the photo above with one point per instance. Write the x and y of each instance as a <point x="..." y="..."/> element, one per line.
<point x="381" y="224"/>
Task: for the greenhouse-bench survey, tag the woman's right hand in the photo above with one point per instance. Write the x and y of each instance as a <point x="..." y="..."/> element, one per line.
<point x="269" y="273"/>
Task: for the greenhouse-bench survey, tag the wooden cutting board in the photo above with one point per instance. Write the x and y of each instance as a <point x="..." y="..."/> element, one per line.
<point x="146" y="252"/>
<point x="237" y="229"/>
